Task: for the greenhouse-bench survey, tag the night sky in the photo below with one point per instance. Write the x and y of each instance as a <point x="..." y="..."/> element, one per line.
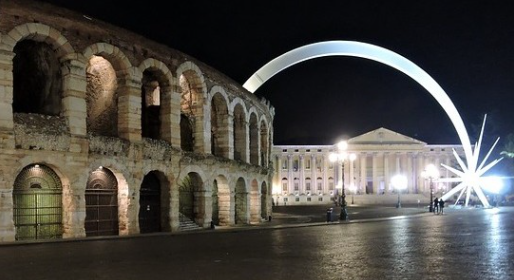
<point x="466" y="46"/>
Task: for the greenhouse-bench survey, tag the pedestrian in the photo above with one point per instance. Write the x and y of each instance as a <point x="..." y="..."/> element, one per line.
<point x="436" y="206"/>
<point x="441" y="206"/>
<point x="329" y="215"/>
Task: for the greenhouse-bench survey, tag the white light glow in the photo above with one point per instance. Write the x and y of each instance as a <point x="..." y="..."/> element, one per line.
<point x="470" y="177"/>
<point x="399" y="182"/>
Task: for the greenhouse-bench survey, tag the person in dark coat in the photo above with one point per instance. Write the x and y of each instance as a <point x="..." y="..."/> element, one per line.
<point x="436" y="206"/>
<point x="441" y="206"/>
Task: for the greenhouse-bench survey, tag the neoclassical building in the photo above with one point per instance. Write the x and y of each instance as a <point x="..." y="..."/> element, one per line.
<point x="104" y="132"/>
<point x="305" y="175"/>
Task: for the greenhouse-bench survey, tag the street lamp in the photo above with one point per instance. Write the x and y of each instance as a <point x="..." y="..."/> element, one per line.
<point x="399" y="183"/>
<point x="431" y="173"/>
<point x="341" y="156"/>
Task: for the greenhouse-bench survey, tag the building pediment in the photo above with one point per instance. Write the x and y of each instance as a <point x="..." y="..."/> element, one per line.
<point x="384" y="136"/>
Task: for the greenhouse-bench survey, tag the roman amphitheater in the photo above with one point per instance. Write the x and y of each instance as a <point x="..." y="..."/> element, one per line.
<point x="104" y="132"/>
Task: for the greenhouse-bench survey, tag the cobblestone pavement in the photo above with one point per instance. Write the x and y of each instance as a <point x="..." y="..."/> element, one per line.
<point x="463" y="243"/>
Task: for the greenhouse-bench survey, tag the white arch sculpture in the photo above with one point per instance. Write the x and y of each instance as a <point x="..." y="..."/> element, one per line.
<point x="470" y="174"/>
<point x="371" y="52"/>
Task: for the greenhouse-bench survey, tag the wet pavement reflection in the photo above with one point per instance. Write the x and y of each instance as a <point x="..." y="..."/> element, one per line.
<point x="462" y="244"/>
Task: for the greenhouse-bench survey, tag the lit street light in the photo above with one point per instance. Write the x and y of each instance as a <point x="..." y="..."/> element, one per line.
<point x="341" y="156"/>
<point x="493" y="185"/>
<point x="399" y="182"/>
<point x="431" y="173"/>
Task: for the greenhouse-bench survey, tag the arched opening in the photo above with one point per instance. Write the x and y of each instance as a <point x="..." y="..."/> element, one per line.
<point x="191" y="199"/>
<point x="150" y="204"/>
<point x="151" y="104"/>
<point x="101" y="98"/>
<point x="186" y="133"/>
<point x="239" y="133"/>
<point x="37" y="91"/>
<point x="102" y="203"/>
<point x="264" y="144"/>
<point x="219" y="126"/>
<point x="37" y="79"/>
<point x="241" y="202"/>
<point x="37" y="203"/>
<point x="191" y="109"/>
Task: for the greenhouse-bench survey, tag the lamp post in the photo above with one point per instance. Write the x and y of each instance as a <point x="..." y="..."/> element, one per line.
<point x="431" y="173"/>
<point x="399" y="183"/>
<point x="341" y="156"/>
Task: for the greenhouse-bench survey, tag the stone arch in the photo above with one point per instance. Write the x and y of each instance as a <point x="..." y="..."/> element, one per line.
<point x="253" y="136"/>
<point x="191" y="195"/>
<point x="241" y="214"/>
<point x="102" y="203"/>
<point x="240" y="131"/>
<point x="159" y="116"/>
<point x="255" y="202"/>
<point x="264" y="141"/>
<point x="192" y="108"/>
<point x="38" y="69"/>
<point x="39" y="32"/>
<point x="38" y="203"/>
<point x="154" y="203"/>
<point x="219" y="122"/>
<point x="106" y="76"/>
<point x="375" y="53"/>
<point x="222" y="206"/>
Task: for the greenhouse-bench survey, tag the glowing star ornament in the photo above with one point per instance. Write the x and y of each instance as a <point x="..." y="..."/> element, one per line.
<point x="470" y="177"/>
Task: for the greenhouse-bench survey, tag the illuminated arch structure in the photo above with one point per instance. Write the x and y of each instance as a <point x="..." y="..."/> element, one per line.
<point x="470" y="177"/>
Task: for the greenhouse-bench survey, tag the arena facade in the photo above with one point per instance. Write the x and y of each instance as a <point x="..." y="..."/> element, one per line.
<point x="305" y="176"/>
<point x="104" y="132"/>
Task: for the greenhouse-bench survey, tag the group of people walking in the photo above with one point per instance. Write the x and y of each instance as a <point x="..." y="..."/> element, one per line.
<point x="438" y="206"/>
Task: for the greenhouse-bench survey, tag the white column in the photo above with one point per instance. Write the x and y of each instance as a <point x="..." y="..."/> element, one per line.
<point x="410" y="173"/>
<point x="314" y="186"/>
<point x="301" y="188"/>
<point x="387" y="176"/>
<point x="364" y="180"/>
<point x="290" y="177"/>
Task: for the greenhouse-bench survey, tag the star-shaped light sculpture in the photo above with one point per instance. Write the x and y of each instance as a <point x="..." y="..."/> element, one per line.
<point x="471" y="176"/>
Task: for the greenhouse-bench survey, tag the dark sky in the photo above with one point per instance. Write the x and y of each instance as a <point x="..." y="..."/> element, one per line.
<point x="466" y="46"/>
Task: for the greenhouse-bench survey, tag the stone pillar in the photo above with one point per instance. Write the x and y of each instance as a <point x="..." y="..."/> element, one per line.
<point x="170" y="115"/>
<point x="6" y="100"/>
<point x="230" y="132"/>
<point x="374" y="172"/>
<point x="255" y="205"/>
<point x="129" y="107"/>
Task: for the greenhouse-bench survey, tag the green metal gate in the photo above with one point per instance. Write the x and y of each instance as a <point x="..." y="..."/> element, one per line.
<point x="37" y="204"/>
